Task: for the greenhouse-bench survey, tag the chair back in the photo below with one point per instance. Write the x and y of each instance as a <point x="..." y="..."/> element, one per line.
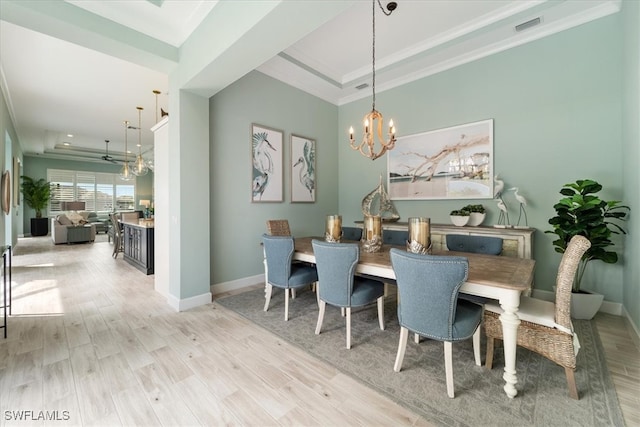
<point x="428" y="289"/>
<point x="576" y="248"/>
<point x="395" y="237"/>
<point x="476" y="244"/>
<point x="278" y="227"/>
<point x="115" y="224"/>
<point x="336" y="265"/>
<point x="278" y="252"/>
<point x="351" y="233"/>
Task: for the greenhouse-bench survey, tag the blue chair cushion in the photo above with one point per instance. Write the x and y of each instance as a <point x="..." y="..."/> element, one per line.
<point x="395" y="237"/>
<point x="475" y="244"/>
<point x="365" y="291"/>
<point x="302" y="275"/>
<point x="351" y="233"/>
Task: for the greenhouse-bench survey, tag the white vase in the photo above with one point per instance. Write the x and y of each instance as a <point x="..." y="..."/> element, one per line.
<point x="476" y="218"/>
<point x="585" y="305"/>
<point x="459" y="220"/>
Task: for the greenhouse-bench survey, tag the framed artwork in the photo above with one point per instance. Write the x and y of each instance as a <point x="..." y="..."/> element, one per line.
<point x="16" y="182"/>
<point x="6" y="192"/>
<point x="303" y="169"/>
<point x="449" y="163"/>
<point x="267" y="164"/>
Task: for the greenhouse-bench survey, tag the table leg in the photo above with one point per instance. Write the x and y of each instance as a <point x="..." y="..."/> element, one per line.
<point x="510" y="322"/>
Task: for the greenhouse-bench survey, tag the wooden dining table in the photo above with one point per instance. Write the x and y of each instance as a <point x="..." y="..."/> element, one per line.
<point x="498" y="277"/>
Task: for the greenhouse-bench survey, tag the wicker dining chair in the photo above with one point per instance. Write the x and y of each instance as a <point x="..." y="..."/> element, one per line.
<point x="278" y="227"/>
<point x="545" y="327"/>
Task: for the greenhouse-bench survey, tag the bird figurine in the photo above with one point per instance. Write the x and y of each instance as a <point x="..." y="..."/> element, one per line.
<point x="523" y="203"/>
<point x="497" y="187"/>
<point x="307" y="173"/>
<point x="503" y="218"/>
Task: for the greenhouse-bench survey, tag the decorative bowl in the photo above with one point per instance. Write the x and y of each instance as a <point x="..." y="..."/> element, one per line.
<point x="460" y="221"/>
<point x="476" y="218"/>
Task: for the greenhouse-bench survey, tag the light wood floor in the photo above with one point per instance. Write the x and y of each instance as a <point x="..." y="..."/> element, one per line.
<point x="91" y="339"/>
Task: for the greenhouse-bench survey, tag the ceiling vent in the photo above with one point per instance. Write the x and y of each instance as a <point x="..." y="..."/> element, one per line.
<point x="526" y="25"/>
<point x="362" y="86"/>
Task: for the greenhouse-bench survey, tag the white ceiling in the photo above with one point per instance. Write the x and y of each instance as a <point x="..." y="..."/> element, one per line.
<point x="55" y="87"/>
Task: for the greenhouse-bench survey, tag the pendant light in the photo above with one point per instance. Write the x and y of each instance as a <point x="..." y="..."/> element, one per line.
<point x="372" y="122"/>
<point x="140" y="167"/>
<point x="125" y="173"/>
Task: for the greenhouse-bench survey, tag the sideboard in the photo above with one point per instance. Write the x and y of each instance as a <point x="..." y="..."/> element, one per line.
<point x="138" y="245"/>
<point x="517" y="242"/>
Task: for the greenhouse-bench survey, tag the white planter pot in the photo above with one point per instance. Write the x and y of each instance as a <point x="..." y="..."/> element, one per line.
<point x="585" y="305"/>
<point x="460" y="221"/>
<point x="476" y="218"/>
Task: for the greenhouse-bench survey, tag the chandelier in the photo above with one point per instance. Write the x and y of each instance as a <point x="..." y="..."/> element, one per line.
<point x="373" y="120"/>
<point x="125" y="173"/>
<point x="140" y="167"/>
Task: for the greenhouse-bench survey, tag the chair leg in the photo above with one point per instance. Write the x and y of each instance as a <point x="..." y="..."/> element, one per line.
<point x="448" y="368"/>
<point x="402" y="346"/>
<point x="348" y="327"/>
<point x="381" y="312"/>
<point x="267" y="295"/>
<point x="416" y="338"/>
<point x="317" y="284"/>
<point x="286" y="305"/>
<point x="571" y="383"/>
<point x="476" y="346"/>
<point x="489" y="360"/>
<point x="320" y="316"/>
<point x="293" y="293"/>
<point x="342" y="311"/>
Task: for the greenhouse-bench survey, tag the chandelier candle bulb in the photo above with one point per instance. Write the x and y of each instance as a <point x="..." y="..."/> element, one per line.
<point x="333" y="232"/>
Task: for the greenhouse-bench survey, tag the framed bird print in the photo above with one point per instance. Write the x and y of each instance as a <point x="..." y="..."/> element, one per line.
<point x="267" y="164"/>
<point x="303" y="169"/>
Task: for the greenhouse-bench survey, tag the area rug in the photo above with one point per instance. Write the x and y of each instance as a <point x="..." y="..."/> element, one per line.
<point x="542" y="398"/>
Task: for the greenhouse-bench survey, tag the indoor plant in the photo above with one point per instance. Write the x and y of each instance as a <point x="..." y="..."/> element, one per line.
<point x="37" y="193"/>
<point x="459" y="217"/>
<point x="477" y="214"/>
<point x="582" y="212"/>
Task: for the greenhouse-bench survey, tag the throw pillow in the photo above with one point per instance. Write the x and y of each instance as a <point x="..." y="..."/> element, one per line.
<point x="75" y="217"/>
<point x="64" y="220"/>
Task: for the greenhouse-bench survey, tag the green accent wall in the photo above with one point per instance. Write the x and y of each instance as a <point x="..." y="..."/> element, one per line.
<point x="557" y="109"/>
<point x="237" y="224"/>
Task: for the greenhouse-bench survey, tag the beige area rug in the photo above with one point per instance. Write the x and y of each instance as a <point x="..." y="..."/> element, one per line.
<point x="480" y="401"/>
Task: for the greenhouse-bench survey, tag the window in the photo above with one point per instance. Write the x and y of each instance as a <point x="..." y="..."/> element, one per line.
<point x="101" y="192"/>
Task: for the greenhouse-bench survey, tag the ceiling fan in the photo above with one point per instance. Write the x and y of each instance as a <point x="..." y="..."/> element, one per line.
<point x="107" y="157"/>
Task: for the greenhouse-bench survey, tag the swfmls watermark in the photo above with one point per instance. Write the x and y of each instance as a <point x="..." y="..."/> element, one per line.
<point x="26" y="415"/>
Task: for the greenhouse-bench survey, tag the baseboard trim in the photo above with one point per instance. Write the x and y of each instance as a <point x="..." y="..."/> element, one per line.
<point x="189" y="303"/>
<point x="607" y="306"/>
<point x="234" y="285"/>
<point x="632" y="328"/>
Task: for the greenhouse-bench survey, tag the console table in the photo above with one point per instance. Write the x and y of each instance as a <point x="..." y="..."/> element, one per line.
<point x="6" y="296"/>
<point x="138" y="245"/>
<point x="516" y="242"/>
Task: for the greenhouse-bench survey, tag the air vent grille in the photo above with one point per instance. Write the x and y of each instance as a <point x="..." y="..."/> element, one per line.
<point x="526" y="25"/>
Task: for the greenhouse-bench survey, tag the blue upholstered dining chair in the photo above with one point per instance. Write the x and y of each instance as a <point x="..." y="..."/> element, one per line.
<point x="338" y="286"/>
<point x="428" y="287"/>
<point x="476" y="244"/>
<point x="351" y="233"/>
<point x="395" y="237"/>
<point x="281" y="272"/>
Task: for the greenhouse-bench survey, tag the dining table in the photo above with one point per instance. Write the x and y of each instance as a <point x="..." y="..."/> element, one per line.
<point x="497" y="277"/>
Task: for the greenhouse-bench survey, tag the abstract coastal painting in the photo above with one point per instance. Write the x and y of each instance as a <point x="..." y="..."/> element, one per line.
<point x="449" y="163"/>
<point x="267" y="164"/>
<point x="303" y="169"/>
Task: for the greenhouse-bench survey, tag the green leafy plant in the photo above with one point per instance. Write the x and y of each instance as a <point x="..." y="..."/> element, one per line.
<point x="474" y="208"/>
<point x="460" y="212"/>
<point x="582" y="212"/>
<point x="36" y="193"/>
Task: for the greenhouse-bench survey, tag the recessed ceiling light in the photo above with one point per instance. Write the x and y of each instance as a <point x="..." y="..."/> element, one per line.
<point x="69" y="135"/>
<point x="66" y="143"/>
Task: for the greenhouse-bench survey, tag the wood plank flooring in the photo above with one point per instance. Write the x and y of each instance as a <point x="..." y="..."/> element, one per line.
<point x="91" y="343"/>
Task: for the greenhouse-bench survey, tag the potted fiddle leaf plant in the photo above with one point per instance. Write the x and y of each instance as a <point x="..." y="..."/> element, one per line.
<point x="581" y="211"/>
<point x="36" y="193"/>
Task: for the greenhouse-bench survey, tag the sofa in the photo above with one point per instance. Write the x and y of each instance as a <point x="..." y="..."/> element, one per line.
<point x="101" y="222"/>
<point x="64" y="230"/>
